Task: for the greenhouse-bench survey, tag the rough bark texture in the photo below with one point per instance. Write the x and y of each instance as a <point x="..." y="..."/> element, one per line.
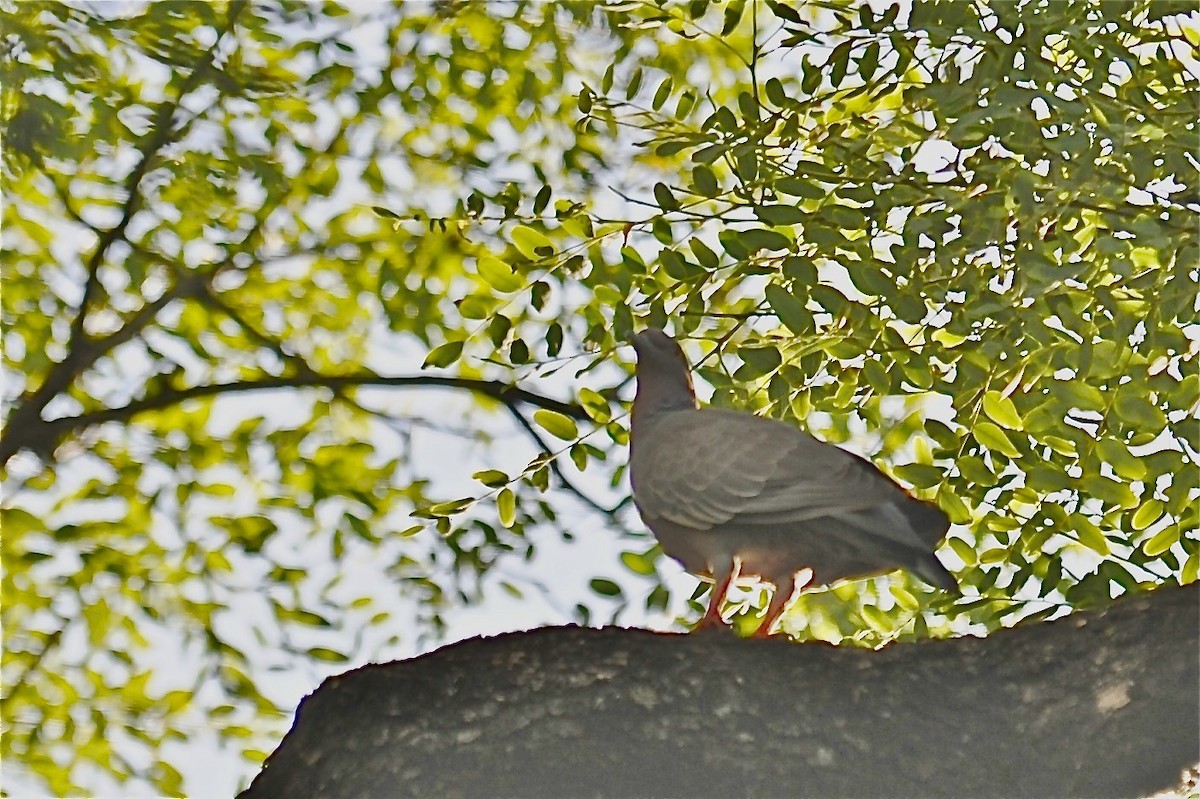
<point x="1098" y="704"/>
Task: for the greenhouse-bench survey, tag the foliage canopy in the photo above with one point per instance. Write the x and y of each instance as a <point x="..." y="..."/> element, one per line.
<point x="963" y="234"/>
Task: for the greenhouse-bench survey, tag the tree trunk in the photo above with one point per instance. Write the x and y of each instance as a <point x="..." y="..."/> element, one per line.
<point x="1102" y="703"/>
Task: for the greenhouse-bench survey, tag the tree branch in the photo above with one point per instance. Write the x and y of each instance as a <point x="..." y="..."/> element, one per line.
<point x="555" y="468"/>
<point x="1089" y="705"/>
<point x="43" y="436"/>
<point x="83" y="350"/>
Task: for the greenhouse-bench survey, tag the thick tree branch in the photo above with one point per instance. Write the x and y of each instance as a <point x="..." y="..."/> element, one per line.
<point x="1099" y="704"/>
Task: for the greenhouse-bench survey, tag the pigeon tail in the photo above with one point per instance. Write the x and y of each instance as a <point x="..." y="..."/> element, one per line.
<point x="931" y="524"/>
<point x="931" y="570"/>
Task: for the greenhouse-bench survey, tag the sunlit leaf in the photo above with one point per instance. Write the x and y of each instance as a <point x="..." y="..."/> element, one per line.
<point x="444" y="354"/>
<point x="556" y="424"/>
<point x="499" y="275"/>
<point x="1001" y="410"/>
<point x="994" y="438"/>
<point x="506" y="507"/>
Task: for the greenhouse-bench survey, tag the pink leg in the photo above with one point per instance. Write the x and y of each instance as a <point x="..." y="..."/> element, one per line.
<point x="712" y="617"/>
<point x="785" y="591"/>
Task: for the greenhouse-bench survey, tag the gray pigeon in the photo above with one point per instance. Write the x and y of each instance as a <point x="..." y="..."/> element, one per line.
<point x="728" y="493"/>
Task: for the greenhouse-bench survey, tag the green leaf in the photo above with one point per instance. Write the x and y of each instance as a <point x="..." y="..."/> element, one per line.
<point x="446" y="509"/>
<point x="498" y="274"/>
<point x="1061" y="445"/>
<point x="704" y="181"/>
<point x="1147" y="514"/>
<point x="775" y="92"/>
<point x="662" y="93"/>
<point x="790" y="310"/>
<point x="1089" y="535"/>
<point x="605" y="587"/>
<point x="1124" y="462"/>
<point x="954" y="507"/>
<point x="869" y="61"/>
<point x="638" y="563"/>
<point x="800" y="270"/>
<point x="733" y="13"/>
<point x="784" y="11"/>
<point x="579" y="455"/>
<point x="541" y="200"/>
<point x="1000" y="409"/>
<point x="1191" y="569"/>
<point x="761" y="360"/>
<point x="704" y="254"/>
<point x="531" y="243"/>
<point x="443" y="355"/>
<point x="556" y="424"/>
<point x="994" y="439"/>
<point x="763" y="239"/>
<point x="595" y="405"/>
<point x="1162" y="541"/>
<point x="904" y="597"/>
<point x="870" y="280"/>
<point x="839" y="61"/>
<point x="920" y="475"/>
<point x="966" y="553"/>
<point x="554" y="339"/>
<point x="492" y="478"/>
<point x="993" y="555"/>
<point x="666" y="201"/>
<point x="506" y="507"/>
<point x="327" y="655"/>
<point x="679" y="267"/>
<point x="843" y="217"/>
<point x="518" y="351"/>
<point x="475" y="306"/>
<point x="1139" y="412"/>
<point x="635" y="83"/>
<point x="799" y="187"/>
<point x="706" y="155"/>
<point x="386" y="212"/>
<point x="1079" y="394"/>
<point x="1108" y="490"/>
<point x="780" y="214"/>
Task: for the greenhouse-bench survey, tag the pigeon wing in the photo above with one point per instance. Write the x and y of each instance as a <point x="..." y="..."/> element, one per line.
<point x="707" y="468"/>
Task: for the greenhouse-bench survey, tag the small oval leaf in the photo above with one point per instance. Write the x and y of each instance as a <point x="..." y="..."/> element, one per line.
<point x="529" y="242"/>
<point x="506" y="507"/>
<point x="498" y="274"/>
<point x="605" y="587"/>
<point x="492" y="478"/>
<point x="444" y="354"/>
<point x="1001" y="410"/>
<point x="1147" y="515"/>
<point x="556" y="424"/>
<point x="994" y="439"/>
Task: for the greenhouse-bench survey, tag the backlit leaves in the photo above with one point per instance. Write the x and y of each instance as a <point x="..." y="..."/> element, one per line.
<point x="556" y="424"/>
<point x="933" y="240"/>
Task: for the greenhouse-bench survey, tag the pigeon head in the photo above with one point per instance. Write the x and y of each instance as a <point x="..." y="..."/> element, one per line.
<point x="664" y="381"/>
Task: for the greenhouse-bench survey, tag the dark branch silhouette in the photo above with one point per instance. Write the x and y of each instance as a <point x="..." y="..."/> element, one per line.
<point x="43" y="436"/>
<point x="22" y="427"/>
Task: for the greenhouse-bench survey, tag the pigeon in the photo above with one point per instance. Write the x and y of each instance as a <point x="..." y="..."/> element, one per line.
<point x="728" y="493"/>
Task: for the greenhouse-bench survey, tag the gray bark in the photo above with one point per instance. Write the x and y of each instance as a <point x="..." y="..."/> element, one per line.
<point x="1099" y="704"/>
